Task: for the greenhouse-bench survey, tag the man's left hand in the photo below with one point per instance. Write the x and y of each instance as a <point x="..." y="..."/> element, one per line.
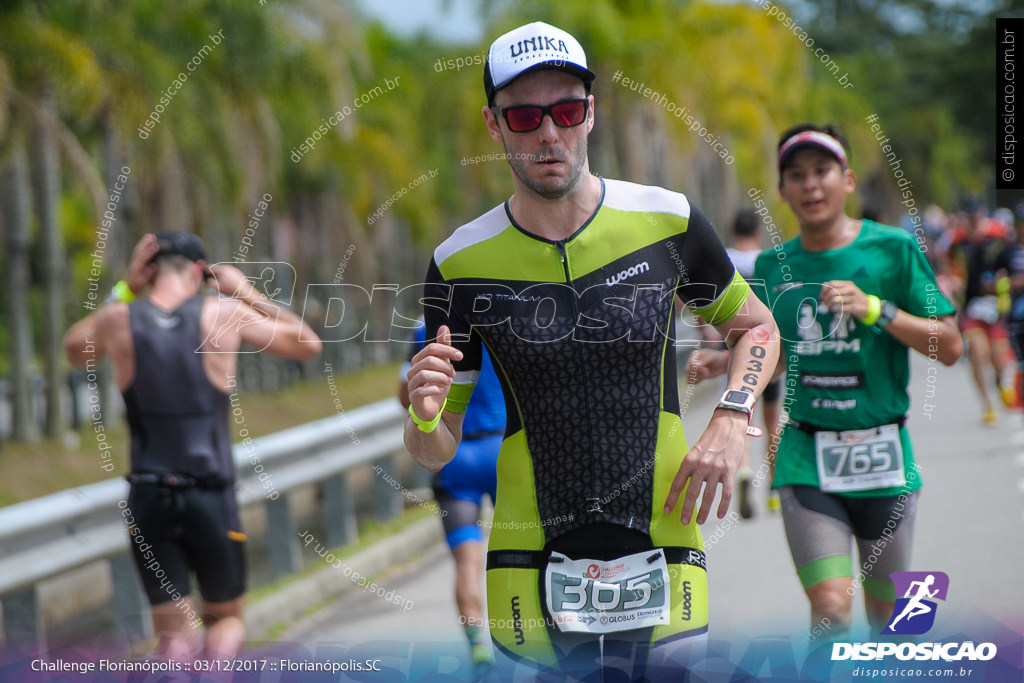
<point x="713" y="460"/>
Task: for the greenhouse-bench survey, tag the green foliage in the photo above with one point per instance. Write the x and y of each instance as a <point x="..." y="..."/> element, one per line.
<point x="927" y="70"/>
<point x="230" y="132"/>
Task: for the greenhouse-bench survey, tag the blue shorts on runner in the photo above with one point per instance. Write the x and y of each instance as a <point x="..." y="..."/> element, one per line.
<point x="460" y="488"/>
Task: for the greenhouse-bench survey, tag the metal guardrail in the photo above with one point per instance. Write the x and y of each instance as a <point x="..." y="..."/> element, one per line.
<point x="49" y="536"/>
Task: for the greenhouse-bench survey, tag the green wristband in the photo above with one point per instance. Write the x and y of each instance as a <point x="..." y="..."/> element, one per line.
<point x="122" y="292"/>
<point x="427" y="425"/>
<point x="874" y="310"/>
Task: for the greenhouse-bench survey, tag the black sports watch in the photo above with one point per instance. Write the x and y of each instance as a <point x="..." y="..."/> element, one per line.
<point x="889" y="311"/>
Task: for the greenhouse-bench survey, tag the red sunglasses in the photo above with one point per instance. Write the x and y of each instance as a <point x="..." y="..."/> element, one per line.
<point x="528" y="117"/>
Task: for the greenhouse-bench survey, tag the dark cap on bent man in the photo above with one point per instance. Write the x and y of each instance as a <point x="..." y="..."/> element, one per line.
<point x="533" y="47"/>
<point x="176" y="243"/>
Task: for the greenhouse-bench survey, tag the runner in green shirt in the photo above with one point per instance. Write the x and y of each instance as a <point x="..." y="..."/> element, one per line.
<point x="850" y="298"/>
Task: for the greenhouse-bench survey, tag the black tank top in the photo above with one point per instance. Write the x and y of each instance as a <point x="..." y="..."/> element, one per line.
<point x="178" y="419"/>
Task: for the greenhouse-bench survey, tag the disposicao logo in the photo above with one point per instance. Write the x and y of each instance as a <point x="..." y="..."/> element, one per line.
<point x="914" y="614"/>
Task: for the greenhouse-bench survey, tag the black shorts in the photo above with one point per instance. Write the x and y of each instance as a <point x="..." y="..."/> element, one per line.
<point x="182" y="529"/>
<point x="773" y="391"/>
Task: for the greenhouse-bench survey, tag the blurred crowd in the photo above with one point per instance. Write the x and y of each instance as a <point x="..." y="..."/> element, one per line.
<point x="978" y="258"/>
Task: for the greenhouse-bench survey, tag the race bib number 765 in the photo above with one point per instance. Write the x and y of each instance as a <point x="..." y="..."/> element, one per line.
<point x="860" y="459"/>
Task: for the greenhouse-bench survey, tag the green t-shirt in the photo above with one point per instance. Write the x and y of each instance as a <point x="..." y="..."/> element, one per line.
<point x="842" y="374"/>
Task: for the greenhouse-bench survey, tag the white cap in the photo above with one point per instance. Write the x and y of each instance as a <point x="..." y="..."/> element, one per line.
<point x="530" y="47"/>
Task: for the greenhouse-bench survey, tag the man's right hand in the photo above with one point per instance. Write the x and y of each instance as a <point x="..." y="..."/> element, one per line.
<point x="431" y="375"/>
<point x="231" y="281"/>
<point x="706" y="363"/>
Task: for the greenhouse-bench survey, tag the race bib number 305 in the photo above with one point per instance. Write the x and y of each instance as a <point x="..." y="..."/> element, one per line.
<point x="594" y="596"/>
<point x="860" y="460"/>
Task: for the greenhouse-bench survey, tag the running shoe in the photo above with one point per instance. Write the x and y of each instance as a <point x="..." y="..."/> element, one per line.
<point x="991" y="417"/>
<point x="1009" y="395"/>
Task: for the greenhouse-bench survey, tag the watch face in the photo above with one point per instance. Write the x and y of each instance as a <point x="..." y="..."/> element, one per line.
<point x="733" y="396"/>
<point x="888" y="312"/>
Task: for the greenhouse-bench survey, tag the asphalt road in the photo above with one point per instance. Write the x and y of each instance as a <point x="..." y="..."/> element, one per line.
<point x="970" y="525"/>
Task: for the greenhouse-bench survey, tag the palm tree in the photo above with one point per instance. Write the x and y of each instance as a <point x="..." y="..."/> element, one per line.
<point x="46" y="189"/>
<point x="43" y="63"/>
<point x="14" y="204"/>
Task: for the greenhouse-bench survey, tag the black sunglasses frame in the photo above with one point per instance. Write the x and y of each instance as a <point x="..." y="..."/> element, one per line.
<point x="546" y="111"/>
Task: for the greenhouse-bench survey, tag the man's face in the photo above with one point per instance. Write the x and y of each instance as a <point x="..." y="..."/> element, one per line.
<point x="815" y="186"/>
<point x="551" y="160"/>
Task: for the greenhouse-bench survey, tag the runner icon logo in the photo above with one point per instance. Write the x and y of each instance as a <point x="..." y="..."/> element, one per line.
<point x="914" y="613"/>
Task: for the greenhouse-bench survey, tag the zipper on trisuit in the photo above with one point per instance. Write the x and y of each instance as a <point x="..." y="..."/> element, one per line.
<point x="592" y="498"/>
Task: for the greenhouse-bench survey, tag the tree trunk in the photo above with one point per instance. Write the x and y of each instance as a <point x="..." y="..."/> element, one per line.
<point x="14" y="210"/>
<point x="118" y="246"/>
<point x="46" y="190"/>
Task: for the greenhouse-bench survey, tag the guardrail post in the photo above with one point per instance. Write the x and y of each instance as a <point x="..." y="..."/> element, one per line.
<point x="130" y="605"/>
<point x="282" y="538"/>
<point x="23" y="623"/>
<point x="421" y="479"/>
<point x="388" y="487"/>
<point x="340" y="524"/>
